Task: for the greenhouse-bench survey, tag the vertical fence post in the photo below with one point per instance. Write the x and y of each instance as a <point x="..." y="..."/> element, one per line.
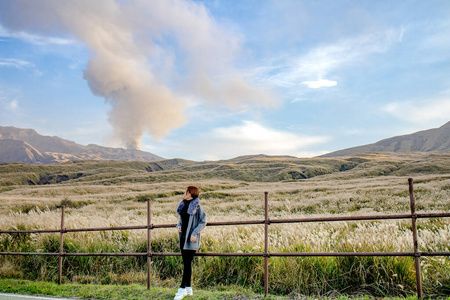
<point x="149" y="243"/>
<point x="266" y="244"/>
<point x="416" y="244"/>
<point x="61" y="245"/>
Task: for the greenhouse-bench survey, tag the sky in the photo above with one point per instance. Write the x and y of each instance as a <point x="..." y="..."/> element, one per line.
<point x="209" y="80"/>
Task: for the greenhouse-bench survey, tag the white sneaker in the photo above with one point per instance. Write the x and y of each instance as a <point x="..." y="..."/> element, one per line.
<point x="189" y="291"/>
<point x="180" y="294"/>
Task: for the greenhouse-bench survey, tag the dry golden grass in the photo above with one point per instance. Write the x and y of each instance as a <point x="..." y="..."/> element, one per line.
<point x="99" y="206"/>
<point x="94" y="204"/>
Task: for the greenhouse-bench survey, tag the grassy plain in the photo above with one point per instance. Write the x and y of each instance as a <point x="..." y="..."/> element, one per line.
<point x="99" y="194"/>
<point x="139" y="292"/>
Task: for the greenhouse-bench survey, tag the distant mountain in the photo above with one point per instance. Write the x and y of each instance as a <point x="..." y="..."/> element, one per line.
<point x="432" y="140"/>
<point x="19" y="151"/>
<point x="26" y="145"/>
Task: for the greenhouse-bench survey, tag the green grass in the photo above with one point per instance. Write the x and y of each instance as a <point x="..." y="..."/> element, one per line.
<point x="136" y="291"/>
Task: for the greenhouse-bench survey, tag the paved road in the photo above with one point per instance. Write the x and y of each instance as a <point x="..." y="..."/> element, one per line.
<point x="27" y="297"/>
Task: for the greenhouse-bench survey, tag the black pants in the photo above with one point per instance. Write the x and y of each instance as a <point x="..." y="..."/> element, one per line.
<point x="188" y="256"/>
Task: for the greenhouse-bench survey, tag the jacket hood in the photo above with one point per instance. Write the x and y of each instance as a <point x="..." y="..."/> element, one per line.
<point x="193" y="206"/>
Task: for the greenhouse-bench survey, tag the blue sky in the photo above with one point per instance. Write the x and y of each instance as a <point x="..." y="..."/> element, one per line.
<point x="207" y="80"/>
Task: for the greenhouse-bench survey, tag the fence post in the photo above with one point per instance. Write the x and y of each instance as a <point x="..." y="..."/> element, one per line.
<point x="416" y="244"/>
<point x="61" y="245"/>
<point x="266" y="244"/>
<point x="149" y="243"/>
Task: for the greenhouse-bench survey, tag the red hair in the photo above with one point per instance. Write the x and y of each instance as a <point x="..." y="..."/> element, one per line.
<point x="194" y="191"/>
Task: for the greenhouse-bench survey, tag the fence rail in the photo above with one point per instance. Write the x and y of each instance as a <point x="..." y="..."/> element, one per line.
<point x="251" y="222"/>
<point x="266" y="254"/>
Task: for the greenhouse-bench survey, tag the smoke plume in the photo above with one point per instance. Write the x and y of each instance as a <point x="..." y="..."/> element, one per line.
<point x="145" y="58"/>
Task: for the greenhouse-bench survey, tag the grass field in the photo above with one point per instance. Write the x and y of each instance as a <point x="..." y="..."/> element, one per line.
<point x="139" y="292"/>
<point x="99" y="194"/>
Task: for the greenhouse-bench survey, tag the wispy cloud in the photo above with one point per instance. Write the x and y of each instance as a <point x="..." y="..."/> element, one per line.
<point x="313" y="67"/>
<point x="13" y="105"/>
<point x="34" y="38"/>
<point x="14" y="63"/>
<point x="8" y="106"/>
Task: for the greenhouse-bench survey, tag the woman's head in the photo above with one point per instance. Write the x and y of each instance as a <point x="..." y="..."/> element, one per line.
<point x="193" y="190"/>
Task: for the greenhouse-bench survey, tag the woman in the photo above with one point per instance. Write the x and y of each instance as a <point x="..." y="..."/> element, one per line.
<point x="192" y="221"/>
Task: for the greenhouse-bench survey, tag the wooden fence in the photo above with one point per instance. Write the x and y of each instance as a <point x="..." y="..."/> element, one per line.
<point x="266" y="254"/>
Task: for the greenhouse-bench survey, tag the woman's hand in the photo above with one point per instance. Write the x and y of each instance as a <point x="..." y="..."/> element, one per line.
<point x="187" y="196"/>
<point x="179" y="229"/>
<point x="193" y="238"/>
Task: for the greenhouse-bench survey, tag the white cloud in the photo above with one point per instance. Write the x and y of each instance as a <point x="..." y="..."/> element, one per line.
<point x="432" y="111"/>
<point x="320" y="83"/>
<point x="325" y="59"/>
<point x="288" y="71"/>
<point x="248" y="138"/>
<point x="253" y="138"/>
<point x="15" y="63"/>
<point x="13" y="105"/>
<point x="34" y="38"/>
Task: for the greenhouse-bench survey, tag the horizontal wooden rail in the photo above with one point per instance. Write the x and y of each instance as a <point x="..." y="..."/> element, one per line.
<point x="29" y="253"/>
<point x="251" y="222"/>
<point x="270" y="254"/>
<point x="31" y="231"/>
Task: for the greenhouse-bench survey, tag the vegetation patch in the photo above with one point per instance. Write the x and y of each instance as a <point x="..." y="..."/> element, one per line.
<point x="73" y="204"/>
<point x="140" y="292"/>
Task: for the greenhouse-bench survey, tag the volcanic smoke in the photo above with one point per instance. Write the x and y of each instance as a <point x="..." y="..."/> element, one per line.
<point x="140" y="53"/>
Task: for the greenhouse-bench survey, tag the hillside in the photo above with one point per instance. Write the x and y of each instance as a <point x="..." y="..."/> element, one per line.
<point x="248" y="169"/>
<point x="14" y="150"/>
<point x="432" y="140"/>
<point x="26" y="145"/>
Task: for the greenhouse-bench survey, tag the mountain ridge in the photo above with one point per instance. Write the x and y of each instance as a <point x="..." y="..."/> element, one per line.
<point x="430" y="140"/>
<point x="27" y="145"/>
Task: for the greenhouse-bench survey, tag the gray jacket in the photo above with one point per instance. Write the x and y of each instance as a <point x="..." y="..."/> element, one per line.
<point x="197" y="221"/>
